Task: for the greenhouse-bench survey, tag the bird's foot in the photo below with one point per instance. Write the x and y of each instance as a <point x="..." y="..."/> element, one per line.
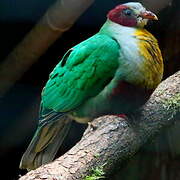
<point x="92" y="126"/>
<point x="123" y="116"/>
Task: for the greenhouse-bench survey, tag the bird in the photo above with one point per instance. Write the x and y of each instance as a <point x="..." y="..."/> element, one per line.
<point x="113" y="72"/>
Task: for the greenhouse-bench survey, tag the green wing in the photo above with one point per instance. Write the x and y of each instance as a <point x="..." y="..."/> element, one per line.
<point x="82" y="73"/>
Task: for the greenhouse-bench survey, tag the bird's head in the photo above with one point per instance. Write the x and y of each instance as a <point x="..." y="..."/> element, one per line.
<point x="131" y="14"/>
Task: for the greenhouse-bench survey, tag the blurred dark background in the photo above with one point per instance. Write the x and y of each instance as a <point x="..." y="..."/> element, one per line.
<point x="19" y="108"/>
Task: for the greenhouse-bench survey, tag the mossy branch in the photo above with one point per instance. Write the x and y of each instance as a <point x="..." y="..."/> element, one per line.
<point x="114" y="139"/>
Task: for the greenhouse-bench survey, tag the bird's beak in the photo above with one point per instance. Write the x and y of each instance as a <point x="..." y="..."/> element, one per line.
<point x="148" y="15"/>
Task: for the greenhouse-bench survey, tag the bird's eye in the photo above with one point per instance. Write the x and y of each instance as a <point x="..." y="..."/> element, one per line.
<point x="127" y="12"/>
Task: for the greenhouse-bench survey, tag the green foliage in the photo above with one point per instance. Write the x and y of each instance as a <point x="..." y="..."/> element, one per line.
<point x="96" y="155"/>
<point x="96" y="174"/>
<point x="173" y="104"/>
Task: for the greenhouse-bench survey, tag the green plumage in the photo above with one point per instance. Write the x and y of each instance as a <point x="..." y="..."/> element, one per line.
<point x="87" y="70"/>
<point x="83" y="72"/>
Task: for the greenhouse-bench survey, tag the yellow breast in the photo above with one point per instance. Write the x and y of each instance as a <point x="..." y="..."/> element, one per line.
<point x="152" y="66"/>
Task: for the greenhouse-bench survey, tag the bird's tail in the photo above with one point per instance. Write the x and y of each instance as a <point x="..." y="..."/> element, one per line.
<point x="46" y="142"/>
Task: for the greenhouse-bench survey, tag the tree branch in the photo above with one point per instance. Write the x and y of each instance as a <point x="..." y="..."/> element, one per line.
<point x="58" y="18"/>
<point x="110" y="140"/>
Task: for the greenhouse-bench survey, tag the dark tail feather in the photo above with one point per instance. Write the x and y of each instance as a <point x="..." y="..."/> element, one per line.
<point x="45" y="143"/>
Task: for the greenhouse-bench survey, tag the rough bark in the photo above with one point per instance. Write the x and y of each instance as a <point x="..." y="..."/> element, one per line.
<point x="110" y="140"/>
<point x="58" y="18"/>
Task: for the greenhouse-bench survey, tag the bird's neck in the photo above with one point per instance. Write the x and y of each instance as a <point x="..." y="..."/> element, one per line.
<point x="135" y="60"/>
<point x="116" y="30"/>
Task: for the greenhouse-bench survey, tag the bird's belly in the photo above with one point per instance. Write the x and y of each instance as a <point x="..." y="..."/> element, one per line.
<point x="124" y="99"/>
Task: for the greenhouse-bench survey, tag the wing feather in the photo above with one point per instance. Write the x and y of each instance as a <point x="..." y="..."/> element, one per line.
<point x="85" y="72"/>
